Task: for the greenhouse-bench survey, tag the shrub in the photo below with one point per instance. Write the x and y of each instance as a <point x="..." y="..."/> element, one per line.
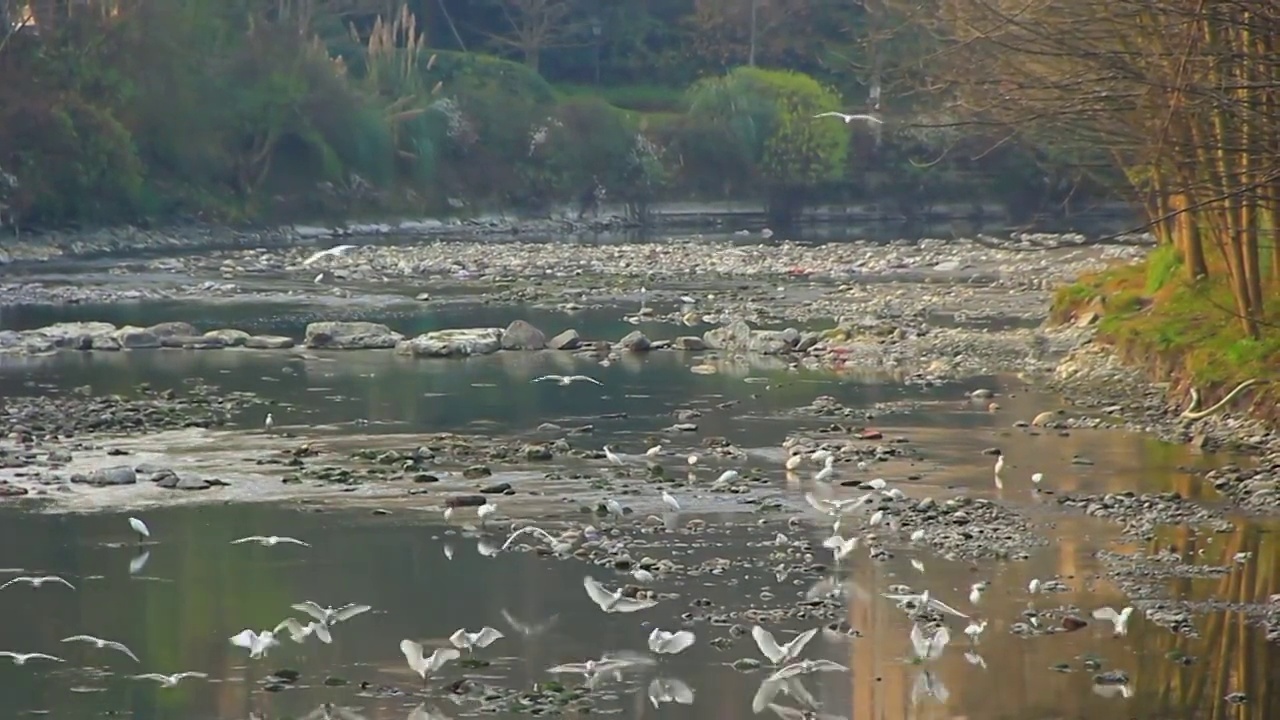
<point x="767" y="117"/>
<point x="73" y="161"/>
<point x="583" y="141"/>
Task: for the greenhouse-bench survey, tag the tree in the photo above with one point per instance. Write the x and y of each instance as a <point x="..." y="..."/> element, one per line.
<point x="1183" y="94"/>
<point x="537" y="25"/>
<point x="769" y="114"/>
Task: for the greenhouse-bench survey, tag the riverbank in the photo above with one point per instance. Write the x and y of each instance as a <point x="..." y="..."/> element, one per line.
<point x="735" y="217"/>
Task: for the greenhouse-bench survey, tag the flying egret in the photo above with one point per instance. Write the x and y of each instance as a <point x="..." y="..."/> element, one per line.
<point x="928" y="648"/>
<point x="168" y="681"/>
<point x="22" y="658"/>
<point x="781" y="654"/>
<point x="469" y="641"/>
<point x="331" y="252"/>
<point x="37" y="581"/>
<point x="269" y="540"/>
<point x="613" y="602"/>
<point x="1119" y="619"/>
<point x="258" y="644"/>
<point x="850" y="118"/>
<point x="566" y="379"/>
<point x="423" y="664"/>
<point x="670" y="643"/>
<point x="102" y="644"/>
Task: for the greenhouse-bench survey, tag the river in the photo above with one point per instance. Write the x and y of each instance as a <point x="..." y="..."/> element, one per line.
<point x="176" y="599"/>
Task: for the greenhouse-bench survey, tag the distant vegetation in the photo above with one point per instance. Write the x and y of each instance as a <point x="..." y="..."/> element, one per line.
<point x="232" y="110"/>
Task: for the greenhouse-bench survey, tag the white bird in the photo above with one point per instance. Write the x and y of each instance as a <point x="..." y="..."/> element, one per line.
<point x="612" y="456"/>
<point x="269" y="540"/>
<point x="805" y="667"/>
<point x="999" y="469"/>
<point x="258" y="644"/>
<point x="840" y="547"/>
<point x="22" y="658"/>
<point x="299" y="632"/>
<point x="665" y="690"/>
<point x="820" y="457"/>
<point x="671" y="501"/>
<point x="975" y="629"/>
<point x="877" y="484"/>
<point x="833" y="507"/>
<point x="781" y="654"/>
<point x="319" y="278"/>
<point x="975" y="592"/>
<point x="1037" y="478"/>
<point x="876" y="518"/>
<point x="448" y="512"/>
<point x="469" y="641"/>
<point x="170" y="680"/>
<point x="925" y="600"/>
<point x="484" y="511"/>
<point x="692" y="459"/>
<point x="527" y="530"/>
<point x="614" y="507"/>
<point x="917" y="535"/>
<point x="670" y="643"/>
<point x="334" y="251"/>
<point x="728" y="476"/>
<point x="928" y="648"/>
<point x="1033" y="587"/>
<point x="794" y="462"/>
<point x="1119" y="619"/>
<point x="654" y="451"/>
<point x="36" y="581"/>
<point x="567" y="379"/>
<point x="917" y="564"/>
<point x="269" y="422"/>
<point x="140" y="528"/>
<point x="423" y="664"/>
<point x="592" y="669"/>
<point x="613" y="602"/>
<point x="642" y="576"/>
<point x="828" y="470"/>
<point x="528" y="629"/>
<point x="850" y="118"/>
<point x="102" y="644"/>
<point x="329" y="616"/>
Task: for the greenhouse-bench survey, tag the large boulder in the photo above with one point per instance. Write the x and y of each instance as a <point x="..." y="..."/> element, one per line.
<point x="75" y="335"/>
<point x="520" y="335"/>
<point x="459" y="342"/>
<point x="351" y="336"/>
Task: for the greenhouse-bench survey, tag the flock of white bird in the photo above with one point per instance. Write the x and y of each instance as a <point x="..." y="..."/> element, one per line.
<point x="928" y="636"/>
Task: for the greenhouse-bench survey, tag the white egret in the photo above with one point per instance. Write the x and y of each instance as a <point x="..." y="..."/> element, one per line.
<point x="469" y="641"/>
<point x="299" y="632"/>
<point x="330" y="616"/>
<point x="613" y="602"/>
<point x="1119" y="619"/>
<point x="877" y="484"/>
<point x="258" y="644"/>
<point x="794" y="462"/>
<point x="102" y="644"/>
<point x="670" y="643"/>
<point x="976" y="590"/>
<point x="975" y="629"/>
<point x="781" y="654"/>
<point x="269" y="422"/>
<point x="169" y="681"/>
<point x="36" y="581"/>
<point x="612" y="456"/>
<point x="485" y="510"/>
<point x="140" y="528"/>
<point x="642" y="576"/>
<point x="728" y="476"/>
<point x="426" y="665"/>
<point x="334" y="251"/>
<point x="670" y="501"/>
<point x="566" y="379"/>
<point x="999" y="468"/>
<point x="665" y="690"/>
<point x="850" y="118"/>
<point x="530" y="530"/>
<point x="840" y="547"/>
<point x="654" y="451"/>
<point x="805" y="667"/>
<point x="924" y="600"/>
<point x="828" y="470"/>
<point x="928" y="648"/>
<point x="269" y="540"/>
<point x="22" y="658"/>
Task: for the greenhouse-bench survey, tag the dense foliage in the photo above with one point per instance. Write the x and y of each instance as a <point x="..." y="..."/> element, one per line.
<point x="235" y="109"/>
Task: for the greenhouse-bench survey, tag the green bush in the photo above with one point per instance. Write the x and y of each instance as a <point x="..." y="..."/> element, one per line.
<point x="73" y="160"/>
<point x="766" y="118"/>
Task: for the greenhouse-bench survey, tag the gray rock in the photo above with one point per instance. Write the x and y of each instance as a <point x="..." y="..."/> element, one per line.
<point x="269" y="342"/>
<point x="567" y="340"/>
<point x="520" y="335"/>
<point x="192" y="342"/>
<point x="105" y="342"/>
<point x="773" y="342"/>
<point x="169" y="329"/>
<point x="74" y="335"/>
<point x="351" y="336"/>
<point x="734" y="336"/>
<point x="59" y="456"/>
<point x="137" y="339"/>
<point x="116" y="475"/>
<point x="692" y="343"/>
<point x="193" y="483"/>
<point x="635" y="341"/>
<point x="229" y="336"/>
<point x="452" y="343"/>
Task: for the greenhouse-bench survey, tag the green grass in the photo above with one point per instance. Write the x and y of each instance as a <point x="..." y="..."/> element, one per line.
<point x="1151" y="312"/>
<point x="637" y="98"/>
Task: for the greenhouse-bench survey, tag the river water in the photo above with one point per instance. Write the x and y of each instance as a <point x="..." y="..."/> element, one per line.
<point x="176" y="600"/>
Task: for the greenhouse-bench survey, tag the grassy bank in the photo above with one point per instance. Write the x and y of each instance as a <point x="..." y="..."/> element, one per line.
<point x="1184" y="332"/>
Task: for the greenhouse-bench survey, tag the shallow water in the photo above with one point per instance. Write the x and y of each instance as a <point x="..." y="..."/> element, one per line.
<point x="196" y="589"/>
